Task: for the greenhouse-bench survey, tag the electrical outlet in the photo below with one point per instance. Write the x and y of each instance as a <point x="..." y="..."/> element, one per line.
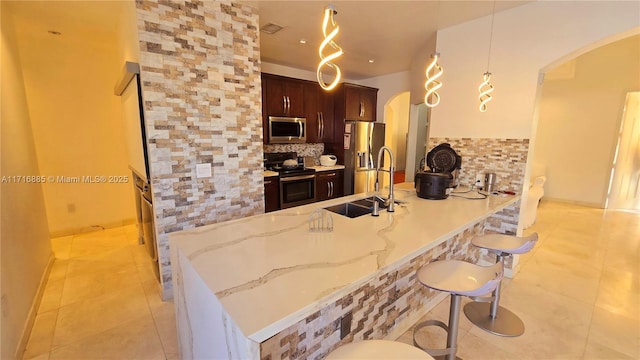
<point x="345" y="325"/>
<point x="479" y="181"/>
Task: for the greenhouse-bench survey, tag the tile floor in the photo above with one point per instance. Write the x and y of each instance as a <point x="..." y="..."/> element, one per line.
<point x="578" y="293"/>
<point x="101" y="302"/>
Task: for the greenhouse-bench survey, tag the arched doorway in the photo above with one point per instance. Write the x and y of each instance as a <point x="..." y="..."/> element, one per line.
<point x="396" y="118"/>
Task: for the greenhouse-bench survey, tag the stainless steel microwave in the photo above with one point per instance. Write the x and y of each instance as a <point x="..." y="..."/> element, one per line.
<point x="287" y="130"/>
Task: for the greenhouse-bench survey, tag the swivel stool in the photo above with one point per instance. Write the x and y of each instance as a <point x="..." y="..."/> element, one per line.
<point x="486" y="312"/>
<point x="459" y="278"/>
<point x="377" y="349"/>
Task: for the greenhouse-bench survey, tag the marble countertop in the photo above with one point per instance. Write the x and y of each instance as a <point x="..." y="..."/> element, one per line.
<point x="269" y="173"/>
<point x="269" y="271"/>
<point x="327" y="168"/>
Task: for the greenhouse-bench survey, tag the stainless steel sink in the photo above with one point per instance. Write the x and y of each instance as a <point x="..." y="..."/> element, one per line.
<point x="359" y="207"/>
<point x="368" y="202"/>
<point x="350" y="209"/>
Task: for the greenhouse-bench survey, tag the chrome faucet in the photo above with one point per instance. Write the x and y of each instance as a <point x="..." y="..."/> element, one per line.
<point x="390" y="200"/>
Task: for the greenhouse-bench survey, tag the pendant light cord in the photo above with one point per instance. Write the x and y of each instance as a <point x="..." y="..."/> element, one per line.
<point x="493" y="15"/>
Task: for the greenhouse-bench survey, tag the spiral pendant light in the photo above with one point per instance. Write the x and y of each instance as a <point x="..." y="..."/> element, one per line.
<point x="433" y="73"/>
<point x="486" y="88"/>
<point x="327" y="61"/>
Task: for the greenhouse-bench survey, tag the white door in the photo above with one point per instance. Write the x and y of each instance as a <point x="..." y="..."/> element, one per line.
<point x="624" y="186"/>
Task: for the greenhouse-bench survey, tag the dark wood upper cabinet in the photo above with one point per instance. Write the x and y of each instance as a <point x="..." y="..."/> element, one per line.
<point x="359" y="102"/>
<point x="325" y="111"/>
<point x="285" y="96"/>
<point x="318" y="109"/>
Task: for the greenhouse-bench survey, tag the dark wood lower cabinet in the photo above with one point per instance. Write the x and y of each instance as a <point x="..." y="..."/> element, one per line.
<point x="329" y="184"/>
<point x="271" y="194"/>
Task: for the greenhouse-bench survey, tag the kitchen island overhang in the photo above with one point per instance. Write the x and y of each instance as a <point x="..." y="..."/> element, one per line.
<point x="265" y="285"/>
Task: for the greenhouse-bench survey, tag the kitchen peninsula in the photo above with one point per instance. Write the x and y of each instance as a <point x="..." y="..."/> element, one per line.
<point x="266" y="287"/>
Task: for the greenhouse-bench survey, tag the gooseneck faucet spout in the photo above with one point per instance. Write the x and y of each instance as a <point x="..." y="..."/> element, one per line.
<point x="390" y="199"/>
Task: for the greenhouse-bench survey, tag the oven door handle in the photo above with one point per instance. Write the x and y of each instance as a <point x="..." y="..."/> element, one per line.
<point x="295" y="178"/>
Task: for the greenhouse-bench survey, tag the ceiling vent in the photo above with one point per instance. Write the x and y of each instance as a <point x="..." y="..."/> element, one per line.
<point x="271" y="28"/>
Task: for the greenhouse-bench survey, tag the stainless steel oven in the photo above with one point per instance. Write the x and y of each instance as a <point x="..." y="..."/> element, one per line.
<point x="297" y="190"/>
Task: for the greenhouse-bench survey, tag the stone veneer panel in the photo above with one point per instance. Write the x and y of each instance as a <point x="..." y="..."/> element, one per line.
<point x="378" y="307"/>
<point x="200" y="72"/>
<point x="507" y="158"/>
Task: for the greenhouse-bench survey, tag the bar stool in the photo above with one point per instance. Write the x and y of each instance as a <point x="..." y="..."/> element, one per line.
<point x="459" y="278"/>
<point x="486" y="312"/>
<point x="378" y="349"/>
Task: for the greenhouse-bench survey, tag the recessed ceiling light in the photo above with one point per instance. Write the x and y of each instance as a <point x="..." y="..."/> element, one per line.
<point x="303" y="41"/>
<point x="53" y="32"/>
<point x="271" y="28"/>
<point x="371" y="61"/>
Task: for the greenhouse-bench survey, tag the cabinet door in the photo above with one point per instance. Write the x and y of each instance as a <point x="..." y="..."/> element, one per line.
<point x="271" y="194"/>
<point x="353" y="106"/>
<point x="338" y="184"/>
<point x="329" y="185"/>
<point x="284" y="97"/>
<point x="326" y="116"/>
<point x="323" y="188"/>
<point x="368" y="101"/>
<point x="312" y="112"/>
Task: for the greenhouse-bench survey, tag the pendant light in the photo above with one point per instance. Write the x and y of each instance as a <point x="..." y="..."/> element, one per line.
<point x="486" y="88"/>
<point x="433" y="73"/>
<point x="329" y="14"/>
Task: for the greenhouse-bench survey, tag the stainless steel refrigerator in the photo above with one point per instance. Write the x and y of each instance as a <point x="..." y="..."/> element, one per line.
<point x="362" y="141"/>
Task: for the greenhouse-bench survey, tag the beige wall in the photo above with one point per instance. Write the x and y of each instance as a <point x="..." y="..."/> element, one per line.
<point x="25" y="243"/>
<point x="525" y="40"/>
<point x="580" y="112"/>
<point x="69" y="82"/>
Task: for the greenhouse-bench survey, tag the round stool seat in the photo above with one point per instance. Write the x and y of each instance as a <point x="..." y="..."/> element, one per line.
<point x="461" y="277"/>
<point x="506" y="243"/>
<point x="378" y="349"/>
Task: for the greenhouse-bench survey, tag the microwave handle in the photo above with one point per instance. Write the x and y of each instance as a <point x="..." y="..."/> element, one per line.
<point x="301" y="130"/>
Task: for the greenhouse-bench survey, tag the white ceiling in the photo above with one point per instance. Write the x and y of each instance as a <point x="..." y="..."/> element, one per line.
<point x="389" y="32"/>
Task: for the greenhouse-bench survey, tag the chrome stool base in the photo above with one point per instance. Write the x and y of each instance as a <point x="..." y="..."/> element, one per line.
<point x="506" y="323"/>
<point x="452" y="332"/>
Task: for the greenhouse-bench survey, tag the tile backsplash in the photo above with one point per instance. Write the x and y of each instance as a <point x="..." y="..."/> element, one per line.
<point x="311" y="152"/>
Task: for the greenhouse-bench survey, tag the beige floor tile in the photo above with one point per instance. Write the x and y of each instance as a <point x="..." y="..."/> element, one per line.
<point x="105" y="262"/>
<point x="596" y="351"/>
<point x="619" y="293"/>
<point x="615" y="332"/>
<point x="88" y="286"/>
<point x="41" y="335"/>
<point x="62" y="246"/>
<point x="44" y="356"/>
<point x="165" y="322"/>
<point x="577" y="283"/>
<point x="136" y="338"/>
<point x="51" y="296"/>
<point x="59" y="269"/>
<point x="92" y="316"/>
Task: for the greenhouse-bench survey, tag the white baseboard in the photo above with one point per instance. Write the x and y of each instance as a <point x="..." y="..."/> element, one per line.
<point x="33" y="312"/>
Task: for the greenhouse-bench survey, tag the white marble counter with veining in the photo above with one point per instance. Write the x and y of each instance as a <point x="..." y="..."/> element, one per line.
<point x="269" y="173"/>
<point x="320" y="168"/>
<point x="268" y="271"/>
